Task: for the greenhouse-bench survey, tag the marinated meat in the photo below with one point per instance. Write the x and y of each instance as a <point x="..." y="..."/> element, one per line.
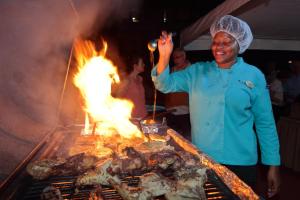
<point x="130" y="193"/>
<point x="126" y="165"/>
<point x="99" y="176"/>
<point x="189" y="159"/>
<point x="164" y="160"/>
<point x="189" y="184"/>
<point x="155" y="184"/>
<point x="77" y="164"/>
<point x="153" y="146"/>
<point x="73" y="165"/>
<point x="151" y="185"/>
<point x="51" y="193"/>
<point x="42" y="169"/>
<point x="184" y="180"/>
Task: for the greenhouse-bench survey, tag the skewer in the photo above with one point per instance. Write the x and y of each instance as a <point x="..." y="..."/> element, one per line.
<point x="94" y="128"/>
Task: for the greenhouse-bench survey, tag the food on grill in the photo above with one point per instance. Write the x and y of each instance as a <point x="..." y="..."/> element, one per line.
<point x="189" y="159"/>
<point x="92" y="145"/>
<point x="130" y="193"/>
<point x="186" y="181"/>
<point x="164" y="160"/>
<point x="155" y="184"/>
<point x="157" y="137"/>
<point x="132" y="162"/>
<point x="77" y="164"/>
<point x="189" y="184"/>
<point x="153" y="146"/>
<point x="175" y="174"/>
<point x="42" y="169"/>
<point x="151" y="185"/>
<point x="99" y="176"/>
<point x="96" y="150"/>
<point x="51" y="193"/>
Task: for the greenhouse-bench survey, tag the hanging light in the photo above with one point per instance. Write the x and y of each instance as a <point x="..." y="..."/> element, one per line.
<point x="165" y="16"/>
<point x="134" y="19"/>
<point x="134" y="16"/>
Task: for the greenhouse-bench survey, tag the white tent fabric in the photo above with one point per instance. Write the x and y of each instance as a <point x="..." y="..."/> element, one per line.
<point x="202" y="25"/>
<point x="274" y="24"/>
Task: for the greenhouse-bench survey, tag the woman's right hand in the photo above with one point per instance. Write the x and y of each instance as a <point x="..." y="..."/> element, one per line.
<point x="165" y="48"/>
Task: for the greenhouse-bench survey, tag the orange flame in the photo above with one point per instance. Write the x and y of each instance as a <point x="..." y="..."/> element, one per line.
<point x="95" y="76"/>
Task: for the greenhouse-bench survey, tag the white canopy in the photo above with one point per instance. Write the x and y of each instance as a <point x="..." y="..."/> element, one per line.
<point x="274" y="24"/>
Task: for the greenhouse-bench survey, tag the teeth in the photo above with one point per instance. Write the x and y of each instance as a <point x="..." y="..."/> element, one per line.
<point x="219" y="53"/>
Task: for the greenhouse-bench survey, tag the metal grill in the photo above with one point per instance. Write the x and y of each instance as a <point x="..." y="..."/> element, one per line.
<point x="214" y="188"/>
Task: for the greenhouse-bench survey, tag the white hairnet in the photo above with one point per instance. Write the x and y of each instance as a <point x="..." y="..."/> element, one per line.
<point x="236" y="28"/>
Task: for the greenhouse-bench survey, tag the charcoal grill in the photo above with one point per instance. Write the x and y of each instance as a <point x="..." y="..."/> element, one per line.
<point x="22" y="186"/>
<point x="214" y="188"/>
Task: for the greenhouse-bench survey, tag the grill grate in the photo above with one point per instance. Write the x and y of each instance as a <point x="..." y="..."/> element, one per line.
<point x="214" y="188"/>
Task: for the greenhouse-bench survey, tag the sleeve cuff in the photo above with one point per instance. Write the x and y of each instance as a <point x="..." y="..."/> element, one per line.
<point x="160" y="76"/>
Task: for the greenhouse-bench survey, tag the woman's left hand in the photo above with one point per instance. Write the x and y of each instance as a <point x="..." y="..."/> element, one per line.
<point x="273" y="181"/>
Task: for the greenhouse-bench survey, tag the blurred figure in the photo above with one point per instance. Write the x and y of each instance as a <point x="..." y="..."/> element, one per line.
<point x="131" y="87"/>
<point x="292" y="85"/>
<point x="275" y="88"/>
<point x="179" y="119"/>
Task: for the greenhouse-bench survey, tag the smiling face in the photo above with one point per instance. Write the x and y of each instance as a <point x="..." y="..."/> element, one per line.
<point x="225" y="49"/>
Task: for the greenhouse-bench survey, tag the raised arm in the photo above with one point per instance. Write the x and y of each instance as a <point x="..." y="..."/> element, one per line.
<point x="165" y="48"/>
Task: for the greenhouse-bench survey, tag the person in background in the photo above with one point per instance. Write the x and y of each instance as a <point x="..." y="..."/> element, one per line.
<point x="275" y="88"/>
<point x="179" y="119"/>
<point x="227" y="97"/>
<point x="132" y="88"/>
<point x="292" y="85"/>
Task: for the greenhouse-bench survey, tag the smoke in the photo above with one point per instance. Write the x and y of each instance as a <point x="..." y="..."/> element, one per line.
<point x="36" y="38"/>
<point x="35" y="42"/>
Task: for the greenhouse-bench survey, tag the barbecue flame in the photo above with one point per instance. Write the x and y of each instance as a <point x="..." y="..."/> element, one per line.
<point x="95" y="76"/>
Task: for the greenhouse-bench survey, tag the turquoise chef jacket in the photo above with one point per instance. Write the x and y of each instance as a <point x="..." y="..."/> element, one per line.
<point x="224" y="105"/>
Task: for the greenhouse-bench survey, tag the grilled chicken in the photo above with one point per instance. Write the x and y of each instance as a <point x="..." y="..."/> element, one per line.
<point x="51" y="193"/>
<point x="189" y="159"/>
<point x="155" y="184"/>
<point x="77" y="164"/>
<point x="73" y="165"/>
<point x="130" y="193"/>
<point x="187" y="175"/>
<point x="99" y="176"/>
<point x="164" y="160"/>
<point x="42" y="169"/>
<point x="189" y="184"/>
<point x="151" y="185"/>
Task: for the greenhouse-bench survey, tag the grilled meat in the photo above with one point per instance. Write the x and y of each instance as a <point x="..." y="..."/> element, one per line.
<point x="189" y="159"/>
<point x="42" y="169"/>
<point x="126" y="165"/>
<point x="77" y="164"/>
<point x="164" y="160"/>
<point x="73" y="165"/>
<point x="151" y="185"/>
<point x="51" y="193"/>
<point x="130" y="193"/>
<point x="153" y="146"/>
<point x="99" y="176"/>
<point x="189" y="184"/>
<point x="155" y="184"/>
